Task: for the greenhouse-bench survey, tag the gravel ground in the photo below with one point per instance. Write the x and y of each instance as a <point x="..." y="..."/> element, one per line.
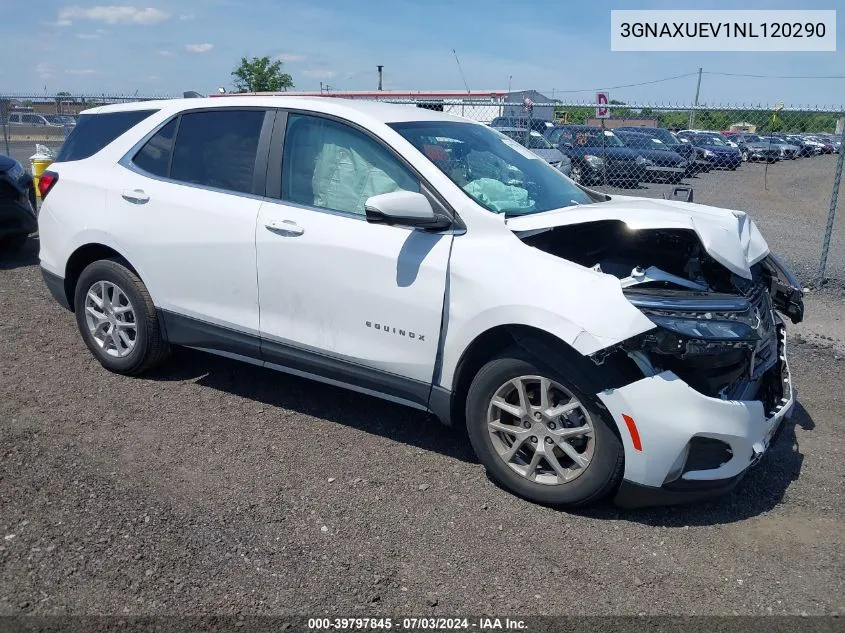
<point x="218" y="487"/>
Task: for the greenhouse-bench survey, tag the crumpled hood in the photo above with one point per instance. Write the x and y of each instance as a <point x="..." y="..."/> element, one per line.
<point x="730" y="237"/>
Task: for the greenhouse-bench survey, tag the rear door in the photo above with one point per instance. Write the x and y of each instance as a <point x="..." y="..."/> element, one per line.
<point x="188" y="196"/>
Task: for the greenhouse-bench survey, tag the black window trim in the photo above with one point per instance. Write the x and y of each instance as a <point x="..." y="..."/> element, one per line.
<point x="274" y="169"/>
<point x="150" y="111"/>
<point x="259" y="175"/>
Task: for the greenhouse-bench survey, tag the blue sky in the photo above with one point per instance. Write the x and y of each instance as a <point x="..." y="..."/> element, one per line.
<point x="160" y="47"/>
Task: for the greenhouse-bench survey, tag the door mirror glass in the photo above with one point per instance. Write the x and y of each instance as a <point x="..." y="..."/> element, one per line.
<point x="404" y="208"/>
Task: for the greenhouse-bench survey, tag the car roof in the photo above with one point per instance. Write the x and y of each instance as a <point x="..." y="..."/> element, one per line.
<point x="506" y="128"/>
<point x="377" y="110"/>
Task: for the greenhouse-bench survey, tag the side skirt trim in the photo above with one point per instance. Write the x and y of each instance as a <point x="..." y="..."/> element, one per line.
<point x="231" y="343"/>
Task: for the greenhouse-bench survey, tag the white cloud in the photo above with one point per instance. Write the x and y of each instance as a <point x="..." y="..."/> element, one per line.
<point x="290" y="57"/>
<point x="58" y="23"/>
<point x="318" y="73"/>
<point x="112" y="14"/>
<point x="186" y="16"/>
<point x="198" y="48"/>
<point x="88" y="36"/>
<point x="43" y="70"/>
<point x="83" y="71"/>
<point x="165" y="53"/>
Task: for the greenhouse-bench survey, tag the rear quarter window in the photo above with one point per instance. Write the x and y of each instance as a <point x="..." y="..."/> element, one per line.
<point x="94" y="131"/>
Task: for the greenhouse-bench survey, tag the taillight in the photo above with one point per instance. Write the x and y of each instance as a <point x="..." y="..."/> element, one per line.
<point x="46" y="182"/>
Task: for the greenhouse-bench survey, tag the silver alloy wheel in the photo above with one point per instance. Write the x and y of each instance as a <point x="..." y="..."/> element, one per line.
<point x="540" y="430"/>
<point x="575" y="173"/>
<point x="111" y="319"/>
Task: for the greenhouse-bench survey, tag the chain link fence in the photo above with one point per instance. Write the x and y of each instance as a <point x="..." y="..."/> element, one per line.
<point x="782" y="165"/>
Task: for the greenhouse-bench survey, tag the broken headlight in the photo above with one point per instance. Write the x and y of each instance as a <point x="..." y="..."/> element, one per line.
<point x="698" y="327"/>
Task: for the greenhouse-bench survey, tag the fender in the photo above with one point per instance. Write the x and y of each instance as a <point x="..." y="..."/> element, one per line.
<point x="583" y="308"/>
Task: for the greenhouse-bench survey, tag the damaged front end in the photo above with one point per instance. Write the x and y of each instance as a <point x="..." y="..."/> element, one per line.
<point x="715" y="329"/>
<point x="715" y="381"/>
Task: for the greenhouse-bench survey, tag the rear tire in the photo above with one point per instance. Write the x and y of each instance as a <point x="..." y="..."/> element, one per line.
<point x="559" y="480"/>
<point x="117" y="318"/>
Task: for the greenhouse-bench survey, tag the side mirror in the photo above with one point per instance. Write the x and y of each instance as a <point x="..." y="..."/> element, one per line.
<point x="404" y="208"/>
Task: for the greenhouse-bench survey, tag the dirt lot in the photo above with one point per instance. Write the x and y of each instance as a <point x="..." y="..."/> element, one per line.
<point x="217" y="487"/>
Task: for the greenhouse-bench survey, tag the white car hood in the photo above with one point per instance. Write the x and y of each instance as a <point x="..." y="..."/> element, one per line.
<point x="730" y="237"/>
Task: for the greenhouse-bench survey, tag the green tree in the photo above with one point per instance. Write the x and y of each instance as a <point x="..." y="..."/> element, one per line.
<point x="261" y="75"/>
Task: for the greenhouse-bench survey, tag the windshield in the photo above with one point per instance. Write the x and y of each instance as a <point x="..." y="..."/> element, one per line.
<point x="753" y="138"/>
<point x="535" y="141"/>
<point x="585" y="136"/>
<point x="663" y="134"/>
<point x="644" y="142"/>
<point x="492" y="169"/>
<point x="710" y="140"/>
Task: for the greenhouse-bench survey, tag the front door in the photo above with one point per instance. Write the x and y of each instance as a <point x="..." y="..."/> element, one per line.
<point x="355" y="302"/>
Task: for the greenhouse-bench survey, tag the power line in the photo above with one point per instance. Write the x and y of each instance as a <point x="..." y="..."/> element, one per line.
<point x="461" y="69"/>
<point x="642" y="83"/>
<point x="706" y="72"/>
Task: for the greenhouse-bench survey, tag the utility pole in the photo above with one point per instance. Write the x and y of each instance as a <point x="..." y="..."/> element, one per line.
<point x="380" y="68"/>
<point x="697" y="91"/>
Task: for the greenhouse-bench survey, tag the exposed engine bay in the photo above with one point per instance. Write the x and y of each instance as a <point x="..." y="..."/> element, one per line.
<point x="716" y="330"/>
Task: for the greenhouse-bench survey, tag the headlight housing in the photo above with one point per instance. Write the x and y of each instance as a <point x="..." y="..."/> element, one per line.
<point x="594" y="161"/>
<point x="703" y="328"/>
<point x="708" y="153"/>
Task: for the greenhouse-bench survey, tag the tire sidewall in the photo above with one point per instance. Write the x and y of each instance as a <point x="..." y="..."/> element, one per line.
<point x="587" y="487"/>
<point x="113" y="272"/>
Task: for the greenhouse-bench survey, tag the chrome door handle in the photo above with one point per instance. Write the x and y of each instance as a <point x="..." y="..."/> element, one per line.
<point x="285" y="227"/>
<point x="135" y="195"/>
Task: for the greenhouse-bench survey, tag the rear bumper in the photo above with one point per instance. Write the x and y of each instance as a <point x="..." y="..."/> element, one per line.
<point x="56" y="286"/>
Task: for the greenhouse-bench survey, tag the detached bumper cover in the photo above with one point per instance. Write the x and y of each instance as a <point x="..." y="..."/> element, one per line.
<point x="668" y="414"/>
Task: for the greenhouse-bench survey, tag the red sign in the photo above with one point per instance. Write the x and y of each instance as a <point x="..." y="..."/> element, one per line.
<point x="602" y="109"/>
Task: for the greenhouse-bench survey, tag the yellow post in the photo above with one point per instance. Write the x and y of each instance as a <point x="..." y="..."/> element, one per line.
<point x="39" y="164"/>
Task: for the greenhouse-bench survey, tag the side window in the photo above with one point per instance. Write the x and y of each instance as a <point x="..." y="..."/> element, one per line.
<point x="94" y="131"/>
<point x="217" y="148"/>
<point x="333" y="166"/>
<point x="154" y="156"/>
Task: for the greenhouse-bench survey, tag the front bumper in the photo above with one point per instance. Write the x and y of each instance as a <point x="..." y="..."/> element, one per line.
<point x="668" y="417"/>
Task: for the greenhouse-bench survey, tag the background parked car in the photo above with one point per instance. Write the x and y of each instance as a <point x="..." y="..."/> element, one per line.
<point x="755" y="148"/>
<point x="712" y="133"/>
<point x="67" y="120"/>
<point x="805" y="148"/>
<point x="538" y="125"/>
<point x="28" y="118"/>
<point x="696" y="163"/>
<point x="824" y="145"/>
<point x="661" y="163"/>
<point x="717" y="151"/>
<point x="596" y="155"/>
<point x="539" y="145"/>
<point x="788" y="151"/>
<point x="17" y="205"/>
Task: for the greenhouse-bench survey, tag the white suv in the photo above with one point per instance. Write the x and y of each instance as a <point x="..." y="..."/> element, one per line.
<point x="589" y="344"/>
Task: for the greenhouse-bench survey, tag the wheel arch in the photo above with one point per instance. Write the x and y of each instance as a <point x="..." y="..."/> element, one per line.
<point x="82" y="257"/>
<point x="546" y="347"/>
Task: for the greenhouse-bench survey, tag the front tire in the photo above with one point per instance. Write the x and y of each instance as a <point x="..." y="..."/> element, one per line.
<point x="117" y="319"/>
<point x="540" y="435"/>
